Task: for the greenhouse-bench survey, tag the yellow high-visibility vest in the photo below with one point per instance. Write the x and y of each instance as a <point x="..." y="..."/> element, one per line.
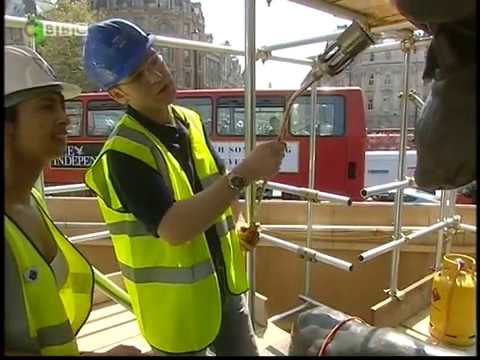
<point x="174" y="290"/>
<point x="52" y="316"/>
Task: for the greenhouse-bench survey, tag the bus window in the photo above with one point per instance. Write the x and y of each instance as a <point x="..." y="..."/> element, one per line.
<point x="203" y="106"/>
<point x="74" y="112"/>
<point x="103" y="116"/>
<point x="231" y="116"/>
<point x="330" y="116"/>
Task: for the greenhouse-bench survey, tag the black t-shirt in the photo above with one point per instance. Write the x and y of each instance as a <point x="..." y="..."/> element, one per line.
<point x="143" y="192"/>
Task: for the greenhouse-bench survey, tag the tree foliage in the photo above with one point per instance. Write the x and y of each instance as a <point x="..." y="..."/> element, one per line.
<point x="64" y="53"/>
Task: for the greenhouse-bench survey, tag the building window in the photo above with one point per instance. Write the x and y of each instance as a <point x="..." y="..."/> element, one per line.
<point x="187" y="57"/>
<point x="388" y="80"/>
<point x="168" y="55"/>
<point x="123" y="3"/>
<point x="370" y="105"/>
<point x="186" y="29"/>
<point x="388" y="55"/>
<point x="179" y="78"/>
<point x="167" y="29"/>
<point x="150" y="3"/>
<point x="213" y="72"/>
<point x="163" y="4"/>
<point x="187" y="79"/>
<point x="386" y="104"/>
<point x="371" y="80"/>
<point x="372" y="56"/>
<point x="100" y="4"/>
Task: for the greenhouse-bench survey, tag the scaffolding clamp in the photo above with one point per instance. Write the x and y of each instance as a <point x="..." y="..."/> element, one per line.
<point x="263" y="54"/>
<point x="307" y="254"/>
<point x="408" y="43"/>
<point x="249" y="236"/>
<point x="398" y="295"/>
<point x="454" y="228"/>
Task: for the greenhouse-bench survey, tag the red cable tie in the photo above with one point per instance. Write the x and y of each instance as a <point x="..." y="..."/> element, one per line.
<point x="331" y="334"/>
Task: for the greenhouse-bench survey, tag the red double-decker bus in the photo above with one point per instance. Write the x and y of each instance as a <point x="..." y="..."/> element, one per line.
<point x="341" y="133"/>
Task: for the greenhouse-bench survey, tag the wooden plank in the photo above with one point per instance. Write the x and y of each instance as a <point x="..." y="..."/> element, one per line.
<point x="74" y="209"/>
<point x="110" y="325"/>
<point x="392" y="312"/>
<point x="375" y="12"/>
<point x="273" y="341"/>
<point x="261" y="310"/>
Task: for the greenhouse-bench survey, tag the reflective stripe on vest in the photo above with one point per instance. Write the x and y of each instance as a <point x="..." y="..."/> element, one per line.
<point x="55" y="335"/>
<point x="172" y="275"/>
<point x="131" y="228"/>
<point x="137" y="228"/>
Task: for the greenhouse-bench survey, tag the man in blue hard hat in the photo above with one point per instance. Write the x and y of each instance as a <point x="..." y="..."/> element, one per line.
<point x="167" y="202"/>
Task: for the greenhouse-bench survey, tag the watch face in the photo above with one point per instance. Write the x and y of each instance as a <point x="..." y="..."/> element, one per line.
<point x="238" y="182"/>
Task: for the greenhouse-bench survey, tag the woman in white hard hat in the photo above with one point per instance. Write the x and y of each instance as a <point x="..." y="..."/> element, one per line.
<point x="48" y="283"/>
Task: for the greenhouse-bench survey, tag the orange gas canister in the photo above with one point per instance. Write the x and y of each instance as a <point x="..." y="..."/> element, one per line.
<point x="452" y="313"/>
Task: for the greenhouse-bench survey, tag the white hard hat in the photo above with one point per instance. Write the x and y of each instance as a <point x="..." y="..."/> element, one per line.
<point x="25" y="69"/>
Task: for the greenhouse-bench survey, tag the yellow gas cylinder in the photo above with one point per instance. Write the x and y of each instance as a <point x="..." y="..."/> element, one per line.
<point x="452" y="313"/>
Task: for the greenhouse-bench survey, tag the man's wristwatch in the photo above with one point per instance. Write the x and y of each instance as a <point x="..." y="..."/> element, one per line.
<point x="236" y="182"/>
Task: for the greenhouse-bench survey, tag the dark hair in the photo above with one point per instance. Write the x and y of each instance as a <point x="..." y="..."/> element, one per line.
<point x="11" y="113"/>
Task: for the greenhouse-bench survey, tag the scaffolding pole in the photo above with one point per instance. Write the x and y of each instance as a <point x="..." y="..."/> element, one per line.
<point x="395" y="245"/>
<point x="49" y="190"/>
<point x="311" y="180"/>
<point x="379" y="189"/>
<point x="302" y="42"/>
<point x="441" y="232"/>
<point x="332" y="36"/>
<point x="309" y="193"/>
<point x="163" y="41"/>
<point x="467" y="227"/>
<point x="307" y="253"/>
<point x="110" y="289"/>
<point x="250" y="137"/>
<point x="340" y="228"/>
<point x="449" y="212"/>
<point x="89" y="237"/>
<point x="407" y="45"/>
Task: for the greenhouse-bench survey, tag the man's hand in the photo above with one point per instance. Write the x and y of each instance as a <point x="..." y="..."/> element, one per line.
<point x="249" y="236"/>
<point x="264" y="161"/>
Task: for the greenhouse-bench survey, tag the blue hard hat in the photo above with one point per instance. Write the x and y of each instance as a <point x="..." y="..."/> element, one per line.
<point x="113" y="49"/>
